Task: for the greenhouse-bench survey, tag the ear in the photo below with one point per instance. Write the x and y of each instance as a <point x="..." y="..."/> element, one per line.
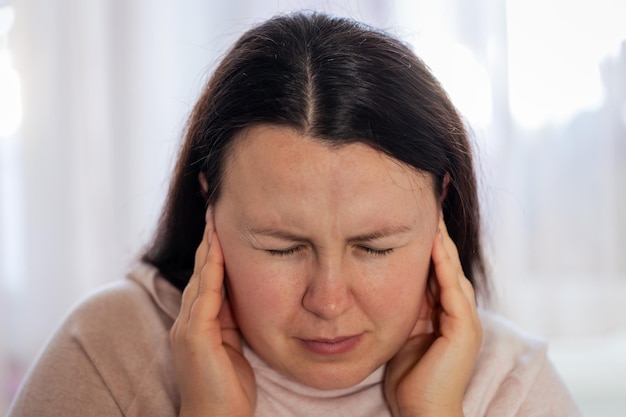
<point x="445" y="184"/>
<point x="204" y="185"/>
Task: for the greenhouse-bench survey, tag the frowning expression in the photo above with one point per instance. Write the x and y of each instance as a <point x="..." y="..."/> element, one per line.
<point x="327" y="252"/>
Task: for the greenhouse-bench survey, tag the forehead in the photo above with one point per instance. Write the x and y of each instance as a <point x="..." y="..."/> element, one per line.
<point x="276" y="176"/>
<point x="282" y="154"/>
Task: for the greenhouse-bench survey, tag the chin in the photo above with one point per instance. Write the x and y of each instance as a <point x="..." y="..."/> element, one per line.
<point x="332" y="377"/>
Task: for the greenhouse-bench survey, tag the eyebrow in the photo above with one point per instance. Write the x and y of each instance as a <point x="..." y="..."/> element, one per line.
<point x="366" y="237"/>
<point x="381" y="234"/>
<point x="276" y="233"/>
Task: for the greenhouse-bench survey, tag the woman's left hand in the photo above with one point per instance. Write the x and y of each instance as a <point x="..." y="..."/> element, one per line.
<point x="430" y="373"/>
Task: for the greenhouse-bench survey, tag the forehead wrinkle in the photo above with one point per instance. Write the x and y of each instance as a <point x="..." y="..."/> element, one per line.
<point x="335" y="164"/>
<point x="381" y="233"/>
<point x="275" y="233"/>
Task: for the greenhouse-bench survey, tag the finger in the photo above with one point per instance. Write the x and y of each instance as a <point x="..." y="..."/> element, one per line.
<point x="432" y="288"/>
<point x="445" y="261"/>
<point x="203" y="249"/>
<point x="203" y="319"/>
<point x="424" y="323"/>
<point x="402" y="364"/>
<point x="228" y="324"/>
<point x="468" y="290"/>
<point x="226" y="315"/>
<point x="449" y="245"/>
<point x="191" y="290"/>
<point x="466" y="285"/>
<point x="434" y="297"/>
<point x="449" y="275"/>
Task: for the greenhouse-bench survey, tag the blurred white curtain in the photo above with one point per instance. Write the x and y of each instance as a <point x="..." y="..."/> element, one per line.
<point x="107" y="85"/>
<point x="106" y="88"/>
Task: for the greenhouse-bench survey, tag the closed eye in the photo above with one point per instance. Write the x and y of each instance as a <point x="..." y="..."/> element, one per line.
<point x="376" y="252"/>
<point x="366" y="249"/>
<point x="284" y="252"/>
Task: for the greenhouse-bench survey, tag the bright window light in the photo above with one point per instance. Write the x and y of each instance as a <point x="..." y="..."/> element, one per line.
<point x="469" y="88"/>
<point x="10" y="96"/>
<point x="555" y="50"/>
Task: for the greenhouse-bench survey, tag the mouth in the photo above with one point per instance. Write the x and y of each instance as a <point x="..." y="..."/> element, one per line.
<point x="335" y="346"/>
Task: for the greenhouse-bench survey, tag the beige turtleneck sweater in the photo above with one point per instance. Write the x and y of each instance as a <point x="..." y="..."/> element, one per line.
<point x="111" y="357"/>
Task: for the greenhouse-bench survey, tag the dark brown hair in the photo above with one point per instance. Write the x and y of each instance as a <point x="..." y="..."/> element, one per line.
<point x="333" y="79"/>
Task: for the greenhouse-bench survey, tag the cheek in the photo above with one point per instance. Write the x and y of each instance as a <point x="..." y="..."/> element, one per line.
<point x="399" y="296"/>
<point x="259" y="291"/>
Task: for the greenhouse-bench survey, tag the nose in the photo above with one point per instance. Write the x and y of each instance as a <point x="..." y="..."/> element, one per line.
<point x="329" y="291"/>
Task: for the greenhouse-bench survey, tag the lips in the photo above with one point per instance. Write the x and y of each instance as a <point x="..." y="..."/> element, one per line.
<point x="335" y="346"/>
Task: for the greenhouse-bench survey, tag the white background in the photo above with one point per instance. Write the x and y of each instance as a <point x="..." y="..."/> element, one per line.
<point x="106" y="86"/>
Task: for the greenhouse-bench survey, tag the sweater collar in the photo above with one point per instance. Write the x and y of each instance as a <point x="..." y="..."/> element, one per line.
<point x="264" y="371"/>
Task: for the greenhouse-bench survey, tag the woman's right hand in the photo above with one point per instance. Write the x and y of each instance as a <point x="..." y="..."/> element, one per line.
<point x="213" y="376"/>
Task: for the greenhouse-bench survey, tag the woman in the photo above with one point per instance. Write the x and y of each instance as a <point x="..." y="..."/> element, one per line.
<point x="323" y="225"/>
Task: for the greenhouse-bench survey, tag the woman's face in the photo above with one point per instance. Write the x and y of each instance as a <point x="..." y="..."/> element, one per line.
<point x="327" y="253"/>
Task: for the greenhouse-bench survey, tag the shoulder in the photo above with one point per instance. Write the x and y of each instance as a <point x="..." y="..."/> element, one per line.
<point x="124" y="327"/>
<point x="508" y="343"/>
<point x="112" y="349"/>
<point x="132" y="308"/>
<point x="513" y="374"/>
<point x="107" y="305"/>
<point x="507" y="354"/>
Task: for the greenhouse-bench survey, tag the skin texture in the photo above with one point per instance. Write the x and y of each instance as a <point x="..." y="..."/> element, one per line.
<point x="327" y="256"/>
